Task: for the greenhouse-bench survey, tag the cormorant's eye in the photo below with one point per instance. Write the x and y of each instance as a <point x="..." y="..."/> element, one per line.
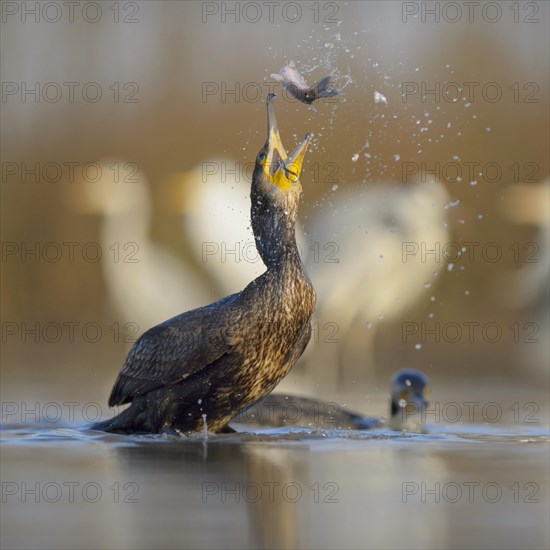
<point x="261" y="156"/>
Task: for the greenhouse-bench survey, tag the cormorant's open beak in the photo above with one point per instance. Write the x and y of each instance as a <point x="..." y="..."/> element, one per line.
<point x="283" y="170"/>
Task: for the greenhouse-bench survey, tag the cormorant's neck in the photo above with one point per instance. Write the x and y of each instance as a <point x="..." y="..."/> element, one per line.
<point x="274" y="229"/>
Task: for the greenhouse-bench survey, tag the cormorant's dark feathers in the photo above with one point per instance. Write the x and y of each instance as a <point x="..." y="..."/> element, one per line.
<point x="174" y="350"/>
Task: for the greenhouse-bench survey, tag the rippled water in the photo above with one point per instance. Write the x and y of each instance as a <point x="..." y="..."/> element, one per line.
<point x="470" y="486"/>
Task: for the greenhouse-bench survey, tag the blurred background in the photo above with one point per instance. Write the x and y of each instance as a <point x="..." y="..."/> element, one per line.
<point x="128" y="137"/>
<point x="128" y="134"/>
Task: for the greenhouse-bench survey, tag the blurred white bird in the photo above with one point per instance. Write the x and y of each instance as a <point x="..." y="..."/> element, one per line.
<point x="528" y="205"/>
<point x="364" y="270"/>
<point x="527" y="289"/>
<point x="146" y="283"/>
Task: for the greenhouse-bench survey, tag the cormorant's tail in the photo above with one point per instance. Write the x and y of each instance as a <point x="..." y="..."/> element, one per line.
<point x="323" y="90"/>
<point x="103" y="425"/>
<point x="130" y="420"/>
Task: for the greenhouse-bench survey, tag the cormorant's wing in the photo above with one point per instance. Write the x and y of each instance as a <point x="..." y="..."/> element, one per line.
<point x="172" y="351"/>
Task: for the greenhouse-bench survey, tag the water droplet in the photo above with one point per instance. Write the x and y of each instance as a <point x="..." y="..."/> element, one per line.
<point x="450" y="266"/>
<point x="452" y="204"/>
<point x="418" y="346"/>
<point x="396" y="157"/>
<point x="334" y="187"/>
<point x="380" y="98"/>
<point x="473" y="182"/>
<point x="427" y="285"/>
<point x="355" y="157"/>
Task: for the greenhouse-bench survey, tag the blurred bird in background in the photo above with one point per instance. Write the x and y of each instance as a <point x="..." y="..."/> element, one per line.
<point x="365" y="278"/>
<point x="146" y="282"/>
<point x="527" y="288"/>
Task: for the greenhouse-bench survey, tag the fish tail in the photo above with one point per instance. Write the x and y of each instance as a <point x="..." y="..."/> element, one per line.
<point x="323" y="90"/>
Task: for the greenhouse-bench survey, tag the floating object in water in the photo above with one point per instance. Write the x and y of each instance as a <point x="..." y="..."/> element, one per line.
<point x="296" y="84"/>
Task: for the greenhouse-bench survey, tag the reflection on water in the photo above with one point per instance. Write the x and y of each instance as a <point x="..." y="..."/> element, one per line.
<point x="276" y="488"/>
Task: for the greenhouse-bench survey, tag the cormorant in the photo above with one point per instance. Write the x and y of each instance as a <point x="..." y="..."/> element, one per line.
<point x="409" y="398"/>
<point x="200" y="368"/>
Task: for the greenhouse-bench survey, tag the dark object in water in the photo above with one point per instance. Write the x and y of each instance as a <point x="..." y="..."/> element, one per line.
<point x="200" y="368"/>
<point x="296" y="84"/>
<point x="409" y="398"/>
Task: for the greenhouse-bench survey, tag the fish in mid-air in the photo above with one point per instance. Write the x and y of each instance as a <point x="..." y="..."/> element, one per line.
<point x="296" y="84"/>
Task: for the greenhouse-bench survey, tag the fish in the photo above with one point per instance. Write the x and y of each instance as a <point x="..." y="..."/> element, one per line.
<point x="296" y="84"/>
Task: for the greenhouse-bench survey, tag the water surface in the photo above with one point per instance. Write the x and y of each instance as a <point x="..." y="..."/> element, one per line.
<point x="467" y="486"/>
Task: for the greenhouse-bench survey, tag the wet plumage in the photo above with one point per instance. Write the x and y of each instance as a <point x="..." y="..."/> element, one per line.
<point x="207" y="364"/>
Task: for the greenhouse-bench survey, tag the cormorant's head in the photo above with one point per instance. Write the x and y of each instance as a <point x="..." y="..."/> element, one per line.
<point x="274" y="167"/>
<point x="409" y="394"/>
